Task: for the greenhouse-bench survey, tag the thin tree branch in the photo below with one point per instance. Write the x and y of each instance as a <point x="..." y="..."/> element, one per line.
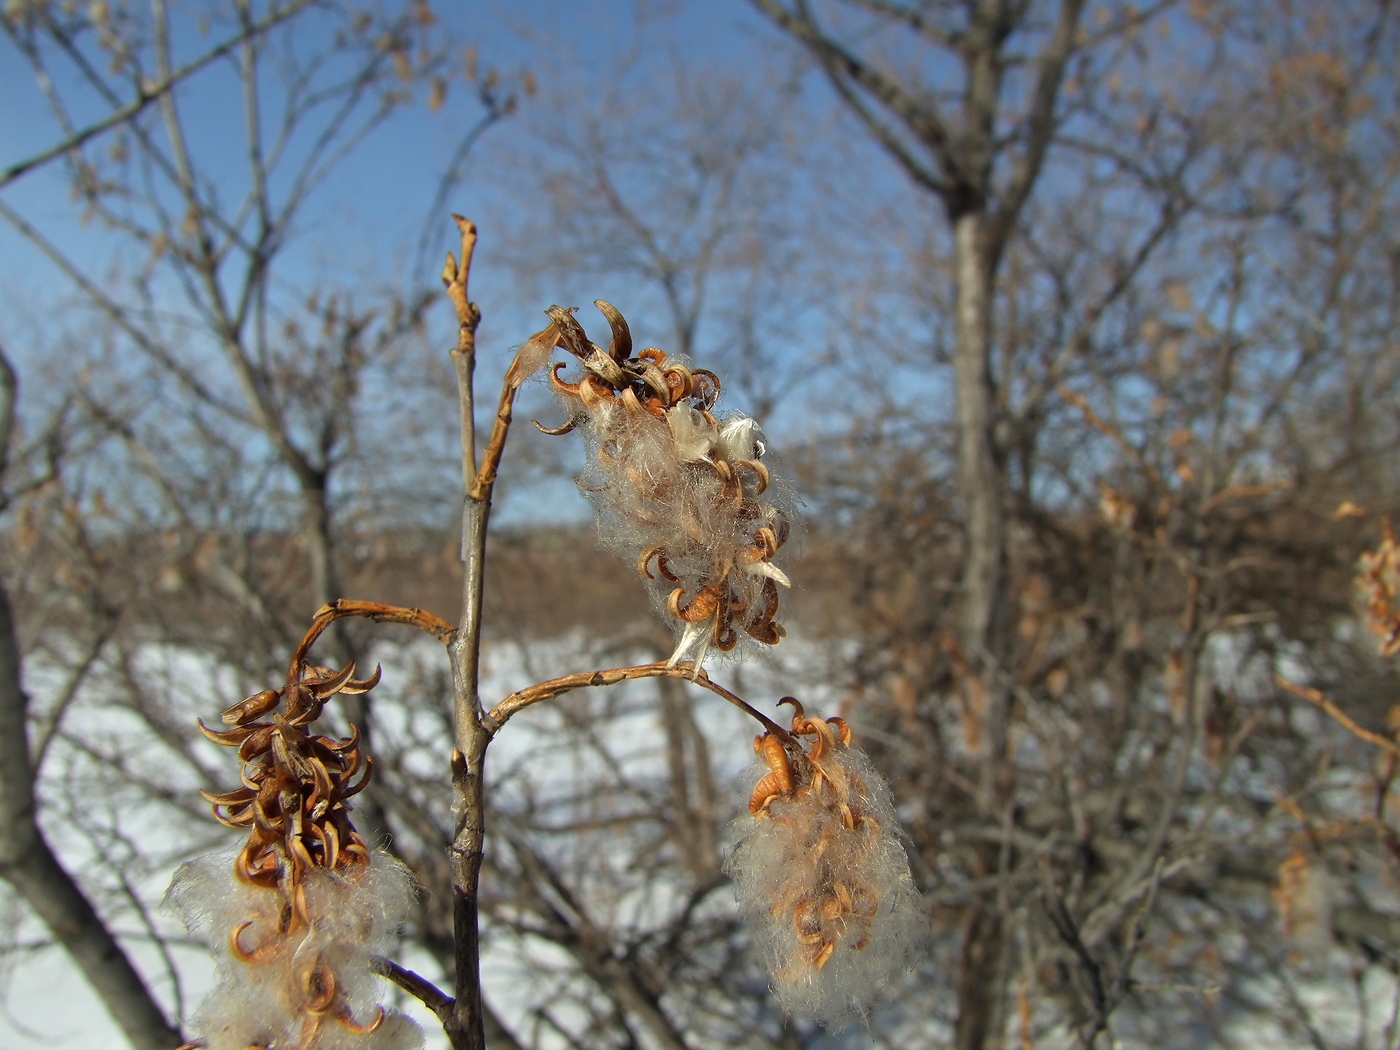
<point x="844" y="69"/>
<point x="911" y="17"/>
<point x="496" y="110"/>
<point x="1314" y="696"/>
<point x="1040" y="124"/>
<point x="47" y="729"/>
<point x="145" y="96"/>
<point x="120" y="317"/>
<point x="466" y="1026"/>
<point x="416" y="985"/>
<point x="534" y="694"/>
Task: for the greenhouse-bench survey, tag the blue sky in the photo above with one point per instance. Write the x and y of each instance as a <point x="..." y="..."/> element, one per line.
<point x="362" y="229"/>
<point x="568" y="46"/>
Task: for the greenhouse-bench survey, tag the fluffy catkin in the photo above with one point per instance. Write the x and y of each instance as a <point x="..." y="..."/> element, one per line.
<point x="821" y="875"/>
<point x="311" y="988"/>
<point x="683" y="494"/>
<point x="700" y="537"/>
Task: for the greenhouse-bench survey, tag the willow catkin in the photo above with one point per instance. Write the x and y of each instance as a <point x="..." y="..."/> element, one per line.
<point x="684" y="494"/>
<point x="821" y="874"/>
<point x="297" y="915"/>
<point x="304" y="983"/>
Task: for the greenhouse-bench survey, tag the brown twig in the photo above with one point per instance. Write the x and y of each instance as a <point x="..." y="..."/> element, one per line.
<point x="1245" y="492"/>
<point x="454" y="278"/>
<point x="416" y="985"/>
<point x="1090" y="985"/>
<point x="465" y="1023"/>
<point x="1109" y="431"/>
<point x="491" y="458"/>
<point x="1313" y="696"/>
<point x="534" y="694"/>
<point x="343" y="608"/>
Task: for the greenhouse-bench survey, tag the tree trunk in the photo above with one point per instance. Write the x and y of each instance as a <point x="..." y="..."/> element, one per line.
<point x="984" y="611"/>
<point x="980" y="482"/>
<point x="28" y="864"/>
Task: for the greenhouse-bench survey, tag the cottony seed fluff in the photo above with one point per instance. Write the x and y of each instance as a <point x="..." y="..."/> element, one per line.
<point x="820" y="872"/>
<point x="680" y="492"/>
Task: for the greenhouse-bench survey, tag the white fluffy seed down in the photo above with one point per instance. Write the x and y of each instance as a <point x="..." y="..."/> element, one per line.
<point x="660" y="485"/>
<point x="681" y="493"/>
<point x="312" y="988"/>
<point x="833" y="907"/>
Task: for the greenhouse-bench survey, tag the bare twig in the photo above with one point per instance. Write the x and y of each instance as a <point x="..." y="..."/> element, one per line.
<point x="416" y="985"/>
<point x="498" y="107"/>
<point x="46" y="729"/>
<point x="145" y="95"/>
<point x="466" y="1026"/>
<point x="454" y="278"/>
<point x="1110" y="431"/>
<point x="1314" y="696"/>
<point x="379" y="613"/>
<point x="1089" y="968"/>
<point x="491" y="458"/>
<point x="517" y="701"/>
<point x="1123" y="980"/>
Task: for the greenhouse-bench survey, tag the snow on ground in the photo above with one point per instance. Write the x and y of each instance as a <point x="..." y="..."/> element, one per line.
<point x="46" y="1005"/>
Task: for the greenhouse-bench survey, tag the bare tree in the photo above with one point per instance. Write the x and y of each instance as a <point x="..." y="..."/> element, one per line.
<point x="1168" y="331"/>
<point x="287" y="370"/>
<point x="1084" y="179"/>
<point x="27" y="860"/>
<point x="976" y="133"/>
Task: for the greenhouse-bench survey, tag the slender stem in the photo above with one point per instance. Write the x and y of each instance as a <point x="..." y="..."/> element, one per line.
<point x="341" y="608"/>
<point x="416" y="985"/>
<point x="1314" y="696"/>
<point x="491" y="459"/>
<point x="584" y="679"/>
<point x="454" y="278"/>
<point x="464" y="1017"/>
<point x="465" y="1025"/>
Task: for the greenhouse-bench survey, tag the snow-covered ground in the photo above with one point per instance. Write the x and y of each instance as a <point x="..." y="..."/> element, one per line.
<point x="46" y="1005"/>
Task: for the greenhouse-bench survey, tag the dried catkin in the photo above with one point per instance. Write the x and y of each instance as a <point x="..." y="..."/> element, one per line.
<point x="821" y="874"/>
<point x="680" y="492"/>
<point x="310" y="986"/>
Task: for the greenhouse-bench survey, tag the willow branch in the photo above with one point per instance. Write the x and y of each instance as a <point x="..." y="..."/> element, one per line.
<point x="1314" y="696"/>
<point x="534" y="694"/>
<point x="465" y="1024"/>
<point x="343" y="608"/>
<point x="416" y="985"/>
<point x="454" y="278"/>
<point x="491" y="458"/>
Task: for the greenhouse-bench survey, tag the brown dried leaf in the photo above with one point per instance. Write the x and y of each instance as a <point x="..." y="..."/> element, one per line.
<point x="533" y="355"/>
